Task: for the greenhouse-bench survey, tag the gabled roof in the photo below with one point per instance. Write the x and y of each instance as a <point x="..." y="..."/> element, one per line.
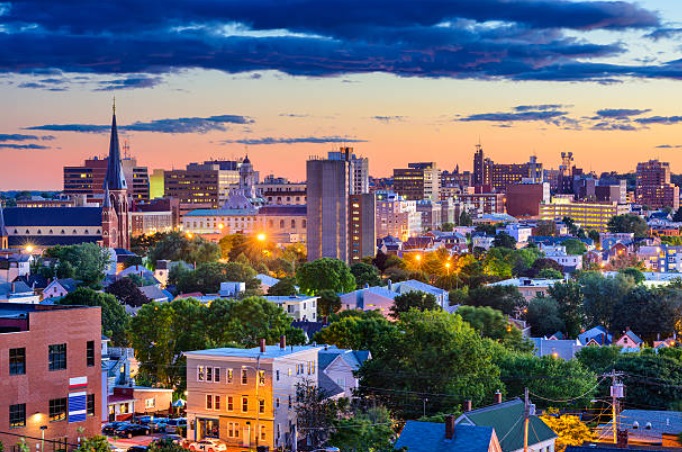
<point x="505" y="418"/>
<point x="354" y="358"/>
<point x="633" y="337"/>
<point x="154" y="293"/>
<point x="328" y="386"/>
<point x="430" y="437"/>
<point x="418" y="285"/>
<point x="267" y="280"/>
<point x="599" y="334"/>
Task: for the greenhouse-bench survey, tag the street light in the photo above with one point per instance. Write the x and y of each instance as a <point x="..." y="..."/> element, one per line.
<point x="42" y="437"/>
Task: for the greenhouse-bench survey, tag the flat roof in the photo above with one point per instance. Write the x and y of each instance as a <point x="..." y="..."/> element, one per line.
<point x="271" y="352"/>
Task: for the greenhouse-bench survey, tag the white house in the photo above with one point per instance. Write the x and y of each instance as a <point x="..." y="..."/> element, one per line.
<point x="299" y="307"/>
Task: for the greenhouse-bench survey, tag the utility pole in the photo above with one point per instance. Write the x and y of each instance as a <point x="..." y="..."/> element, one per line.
<point x="617" y="392"/>
<point x="526" y="419"/>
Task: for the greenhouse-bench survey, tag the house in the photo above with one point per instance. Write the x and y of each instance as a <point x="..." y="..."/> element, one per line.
<point x="412" y="285"/>
<point x="630" y="341"/>
<point x="245" y="397"/>
<point x="369" y="299"/>
<point x="60" y="287"/>
<point x="154" y="293"/>
<point x="390" y="245"/>
<point x="647" y="427"/>
<point x="231" y="289"/>
<point x="299" y="307"/>
<point x="18" y="292"/>
<point x="266" y="282"/>
<point x="309" y="328"/>
<point x="564" y="348"/>
<point x="506" y="419"/>
<point x="163" y="268"/>
<point x="339" y="366"/>
<point x="596" y="336"/>
<point x="138" y="270"/>
<point x="482" y="241"/>
<point x="529" y="287"/>
<point x="449" y="437"/>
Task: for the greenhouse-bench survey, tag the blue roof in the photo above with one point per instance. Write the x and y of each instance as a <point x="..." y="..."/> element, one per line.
<point x="271" y="351"/>
<point x="219" y="212"/>
<point x="418" y="285"/>
<point x="430" y="437"/>
<point x="53" y="216"/>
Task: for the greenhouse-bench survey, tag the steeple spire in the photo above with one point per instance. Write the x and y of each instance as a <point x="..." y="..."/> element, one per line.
<point x="115" y="179"/>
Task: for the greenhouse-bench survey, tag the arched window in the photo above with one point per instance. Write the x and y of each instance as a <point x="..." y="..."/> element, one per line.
<point x="74" y="232"/>
<point x="39" y="231"/>
<point x="51" y="232"/>
<point x="63" y="232"/>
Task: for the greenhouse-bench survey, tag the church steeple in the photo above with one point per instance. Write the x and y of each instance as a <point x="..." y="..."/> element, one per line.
<point x="115" y="179"/>
<point x="3" y="230"/>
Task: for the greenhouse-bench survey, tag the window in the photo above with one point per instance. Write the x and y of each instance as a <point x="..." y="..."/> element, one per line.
<point x="277" y="375"/>
<point x="230" y="375"/>
<point x="150" y="403"/>
<point x="209" y="374"/>
<point x="233" y="430"/>
<point x="261" y="406"/>
<point x="209" y="401"/>
<point x="245" y="404"/>
<point x="216" y="402"/>
<point x="57" y="357"/>
<point x="91" y="405"/>
<point x="17" y="415"/>
<point x="262" y="432"/>
<point x="230" y="403"/>
<point x="245" y="377"/>
<point x="289" y="402"/>
<point x="90" y="353"/>
<point x="277" y="402"/>
<point x="216" y="374"/>
<point x="201" y="373"/>
<point x="57" y="410"/>
<point x="17" y="361"/>
<point x="261" y="377"/>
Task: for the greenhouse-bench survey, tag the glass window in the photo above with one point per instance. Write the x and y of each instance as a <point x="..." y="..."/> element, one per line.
<point x="57" y="357"/>
<point x="216" y="402"/>
<point x="17" y="415"/>
<point x="216" y="374"/>
<point x="90" y="353"/>
<point x="230" y="403"/>
<point x="201" y="373"/>
<point x="245" y="377"/>
<point x="209" y="374"/>
<point x="261" y="377"/>
<point x="17" y="361"/>
<point x="230" y="375"/>
<point x="261" y="406"/>
<point x="209" y="401"/>
<point x="91" y="405"/>
<point x="245" y="404"/>
<point x="57" y="410"/>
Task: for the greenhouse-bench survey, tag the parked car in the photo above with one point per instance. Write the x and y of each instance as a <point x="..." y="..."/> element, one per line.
<point x="130" y="430"/>
<point x="168" y="438"/>
<point x="137" y="449"/>
<point x="111" y="427"/>
<point x="208" y="445"/>
<point x="158" y="424"/>
<point x="173" y="424"/>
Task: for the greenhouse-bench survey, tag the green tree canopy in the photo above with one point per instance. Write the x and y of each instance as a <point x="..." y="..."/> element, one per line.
<point x="176" y="246"/>
<point x="629" y="223"/>
<point x="365" y="274"/>
<point x="430" y="352"/>
<point x="356" y="330"/>
<point x="286" y="286"/>
<point x="574" y="247"/>
<point x="601" y="295"/>
<point x="325" y="273"/>
<point x="114" y="318"/>
<point x="207" y="277"/>
<point x="492" y="324"/>
<point x="367" y="431"/>
<point x="507" y="299"/>
<point x="88" y="261"/>
<point x="570" y="300"/>
<point x="414" y="299"/>
<point x="544" y="317"/>
<point x="504" y="240"/>
<point x="329" y="303"/>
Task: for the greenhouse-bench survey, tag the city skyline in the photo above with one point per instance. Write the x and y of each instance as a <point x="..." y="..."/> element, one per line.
<point x="423" y="83"/>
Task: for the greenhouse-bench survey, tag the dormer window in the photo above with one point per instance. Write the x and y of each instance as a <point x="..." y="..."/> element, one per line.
<point x="635" y="425"/>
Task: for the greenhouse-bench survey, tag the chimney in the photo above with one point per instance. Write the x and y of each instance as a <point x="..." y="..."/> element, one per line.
<point x="390" y="284"/>
<point x="466" y="406"/>
<point x="622" y="439"/>
<point x="498" y="396"/>
<point x="262" y="345"/>
<point x="282" y="342"/>
<point x="450" y="427"/>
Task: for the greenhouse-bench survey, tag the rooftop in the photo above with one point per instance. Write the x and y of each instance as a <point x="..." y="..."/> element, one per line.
<point x="271" y="352"/>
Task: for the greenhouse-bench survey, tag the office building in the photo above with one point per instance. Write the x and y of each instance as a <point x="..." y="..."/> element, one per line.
<point x="50" y="375"/>
<point x="89" y="179"/>
<point x="418" y="181"/>
<point x="454" y="183"/>
<point x="498" y="176"/>
<point x="589" y="215"/>
<point x="247" y="397"/>
<point x="358" y="169"/>
<point x="654" y="188"/>
<point x="327" y="210"/>
<point x="279" y="191"/>
<point x="523" y="200"/>
<point x="396" y="216"/>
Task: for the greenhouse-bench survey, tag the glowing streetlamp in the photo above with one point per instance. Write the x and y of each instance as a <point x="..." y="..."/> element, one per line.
<point x="261" y="237"/>
<point x="29" y="249"/>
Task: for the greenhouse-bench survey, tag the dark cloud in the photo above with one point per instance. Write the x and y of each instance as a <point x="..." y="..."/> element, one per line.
<point x="129" y="83"/>
<point x="666" y="120"/>
<point x="387" y="119"/>
<point x="282" y="140"/>
<point x="539" y="107"/>
<point x="614" y="126"/>
<point x="293" y="115"/>
<point x="519" y="116"/>
<point x="620" y="112"/>
<point x="664" y="33"/>
<point x="23" y="147"/>
<point x="482" y="39"/>
<point x="669" y="146"/>
<point x="176" y="125"/>
<point x="22" y="137"/>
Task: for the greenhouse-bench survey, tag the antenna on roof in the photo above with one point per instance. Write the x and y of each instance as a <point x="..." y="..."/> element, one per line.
<point x="113" y="107"/>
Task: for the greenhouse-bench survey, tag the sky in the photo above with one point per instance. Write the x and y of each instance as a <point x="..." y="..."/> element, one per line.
<point x="283" y="80"/>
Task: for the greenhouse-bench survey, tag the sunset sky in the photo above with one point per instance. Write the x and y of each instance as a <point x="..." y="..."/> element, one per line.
<point x="282" y="80"/>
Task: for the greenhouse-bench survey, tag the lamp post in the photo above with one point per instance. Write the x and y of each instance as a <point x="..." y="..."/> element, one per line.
<point x="42" y="437"/>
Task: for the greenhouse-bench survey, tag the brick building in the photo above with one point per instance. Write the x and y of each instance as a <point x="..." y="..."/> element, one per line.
<point x="50" y="375"/>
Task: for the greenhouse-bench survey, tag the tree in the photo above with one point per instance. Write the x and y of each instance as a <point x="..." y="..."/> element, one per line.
<point x="413" y="299"/>
<point x="650" y="313"/>
<point x="95" y="444"/>
<point x="601" y="295"/>
<point x="365" y="274"/>
<point x="541" y="264"/>
<point x="165" y="445"/>
<point x="325" y="273"/>
<point x="367" y="431"/>
<point x="544" y="317"/>
<point x="447" y="227"/>
<point x="550" y="273"/>
<point x="132" y="261"/>
<point x="634" y="273"/>
<point x="356" y="330"/>
<point x="571" y="431"/>
<point x="284" y="287"/>
<point x="127" y="293"/>
<point x="465" y="219"/>
<point x="88" y="261"/>
<point x="114" y="318"/>
<point x="570" y="300"/>
<point x="507" y="299"/>
<point x="207" y="277"/>
<point x="176" y="246"/>
<point x="492" y="324"/>
<point x="315" y="413"/>
<point x="629" y="223"/>
<point x="430" y="352"/>
<point x="329" y="303"/>
<point x="566" y="383"/>
<point x="545" y="229"/>
<point x="504" y="240"/>
<point x="574" y="247"/>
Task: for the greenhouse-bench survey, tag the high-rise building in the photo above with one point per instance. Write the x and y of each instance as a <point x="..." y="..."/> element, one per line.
<point x="418" y="181"/>
<point x="51" y="375"/>
<point x="358" y="169"/>
<point x="454" y="183"/>
<point x="328" y="203"/>
<point x="498" y="176"/>
<point x="589" y="215"/>
<point x="205" y="185"/>
<point x="89" y="178"/>
<point x="396" y="216"/>
<point x="362" y="227"/>
<point x="654" y="188"/>
<point x="480" y="176"/>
